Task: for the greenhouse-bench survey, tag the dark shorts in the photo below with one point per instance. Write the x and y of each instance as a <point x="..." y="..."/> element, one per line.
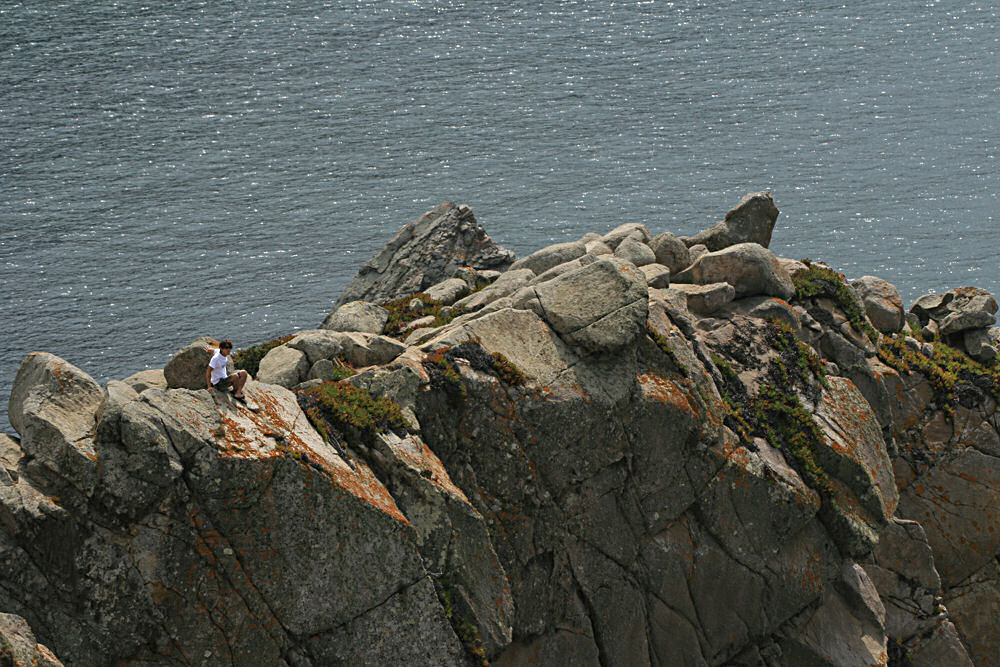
<point x="224" y="384"/>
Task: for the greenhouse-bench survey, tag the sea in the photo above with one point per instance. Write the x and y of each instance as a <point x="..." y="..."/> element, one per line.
<point x="170" y="170"/>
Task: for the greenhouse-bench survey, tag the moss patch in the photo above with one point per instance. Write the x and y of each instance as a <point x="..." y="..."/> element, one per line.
<point x="819" y="281"/>
<point x="339" y="410"/>
<point x="248" y="359"/>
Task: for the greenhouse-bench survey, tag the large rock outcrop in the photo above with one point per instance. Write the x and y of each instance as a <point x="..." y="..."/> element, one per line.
<point x="750" y="221"/>
<point x="426" y="252"/>
<point x="571" y="468"/>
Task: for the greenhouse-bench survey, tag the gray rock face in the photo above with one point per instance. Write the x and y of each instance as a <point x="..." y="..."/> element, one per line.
<point x="750" y="268"/>
<point x="52" y="406"/>
<point x="671" y="252"/>
<point x="978" y="345"/>
<point x="426" y="252"/>
<point x="598" y="247"/>
<point x="186" y="369"/>
<point x="636" y="252"/>
<point x="505" y="285"/>
<point x="143" y="380"/>
<point x="696" y="251"/>
<point x="447" y="291"/>
<point x="357" y="316"/>
<point x="882" y="302"/>
<point x="542" y="260"/>
<point x="357" y="348"/>
<point x="956" y="310"/>
<point x="705" y="299"/>
<point x="633" y="230"/>
<point x="581" y="465"/>
<point x="657" y="275"/>
<point x="750" y="221"/>
<point x="284" y="366"/>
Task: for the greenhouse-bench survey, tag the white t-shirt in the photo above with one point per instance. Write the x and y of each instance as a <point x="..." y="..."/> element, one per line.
<point x="218" y="366"/>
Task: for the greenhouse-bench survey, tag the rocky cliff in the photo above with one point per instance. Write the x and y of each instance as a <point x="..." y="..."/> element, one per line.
<point x="621" y="450"/>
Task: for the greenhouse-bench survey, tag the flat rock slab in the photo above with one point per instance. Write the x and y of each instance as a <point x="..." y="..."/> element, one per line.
<point x="600" y="307"/>
<point x="704" y="299"/>
<point x="447" y="291"/>
<point x="633" y="230"/>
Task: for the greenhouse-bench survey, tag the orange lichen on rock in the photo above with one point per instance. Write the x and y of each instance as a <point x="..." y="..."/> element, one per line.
<point x="665" y="391"/>
<point x="278" y="428"/>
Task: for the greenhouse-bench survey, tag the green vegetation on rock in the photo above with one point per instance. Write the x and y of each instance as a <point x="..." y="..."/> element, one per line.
<point x="819" y="281"/>
<point x="798" y="360"/>
<point x="776" y="413"/>
<point x="341" y="409"/>
<point x="952" y="374"/>
<point x="785" y="423"/>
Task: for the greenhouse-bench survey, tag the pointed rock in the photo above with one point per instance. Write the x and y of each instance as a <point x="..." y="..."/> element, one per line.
<point x="426" y="252"/>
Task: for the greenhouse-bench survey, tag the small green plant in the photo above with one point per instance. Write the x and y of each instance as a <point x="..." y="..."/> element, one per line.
<point x="342" y="370"/>
<point x="248" y="359"/>
<point x="442" y="371"/>
<point x="734" y="397"/>
<point x="341" y="409"/>
<point x="819" y="281"/>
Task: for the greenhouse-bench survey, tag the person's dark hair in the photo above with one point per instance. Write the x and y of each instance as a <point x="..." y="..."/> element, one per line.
<point x="226" y="345"/>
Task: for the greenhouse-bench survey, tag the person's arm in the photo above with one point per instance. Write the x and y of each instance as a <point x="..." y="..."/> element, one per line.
<point x="208" y="376"/>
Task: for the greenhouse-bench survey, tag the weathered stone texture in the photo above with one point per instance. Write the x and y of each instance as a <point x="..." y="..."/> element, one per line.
<point x="750" y="221"/>
<point x="589" y="470"/>
<point x="426" y="252"/>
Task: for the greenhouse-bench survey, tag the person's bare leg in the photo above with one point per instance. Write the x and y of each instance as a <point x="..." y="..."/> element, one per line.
<point x="239" y="379"/>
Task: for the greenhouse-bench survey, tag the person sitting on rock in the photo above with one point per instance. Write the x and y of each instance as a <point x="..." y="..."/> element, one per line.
<point x="217" y="377"/>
